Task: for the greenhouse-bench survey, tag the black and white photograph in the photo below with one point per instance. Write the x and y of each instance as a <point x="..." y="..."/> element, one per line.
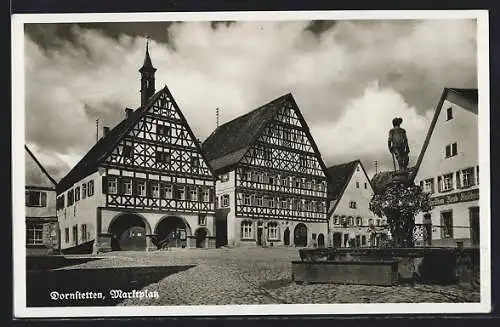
<point x="239" y="163"/>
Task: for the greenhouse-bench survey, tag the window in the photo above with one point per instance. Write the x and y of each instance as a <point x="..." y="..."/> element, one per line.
<point x="71" y="197"/>
<point x="284" y="204"/>
<point x="166" y="191"/>
<point x="84" y="232"/>
<point x="155" y="190"/>
<point x="34" y="233"/>
<point x="272" y="231"/>
<point x="66" y="235"/>
<point x="357" y="168"/>
<point x="270" y="202"/>
<point x="202" y="220"/>
<point x="246" y="199"/>
<point x="351" y="221"/>
<point x="357" y="184"/>
<point x="302" y="162"/>
<point x="77" y="193"/>
<point x="195" y="162"/>
<point x="246" y="230"/>
<point x="363" y="239"/>
<point x="162" y="157"/>
<point x="378" y="222"/>
<point x="352" y="204"/>
<point x="336" y="220"/>
<point x="359" y="221"/>
<point x="295" y="204"/>
<point x="193" y="193"/>
<point x="84" y="190"/>
<point x="447" y="224"/>
<point x="446" y="182"/>
<point x="271" y="180"/>
<point x="428" y="185"/>
<point x="90" y="188"/>
<point x="449" y="113"/>
<point x="75" y="234"/>
<point x="258" y="201"/>
<point x="296" y="182"/>
<point x="366" y="186"/>
<point x="141" y="188"/>
<point x="128" y="151"/>
<point x="163" y="130"/>
<point x="451" y="150"/>
<point x="284" y="181"/>
<point x="36" y="199"/>
<point x="467" y="179"/>
<point x="225" y="200"/>
<point x="112" y="186"/>
<point x="206" y="194"/>
<point x="308" y="185"/>
<point x="127" y="187"/>
<point x="180" y="193"/>
<point x="370" y="222"/>
<point x="224" y="178"/>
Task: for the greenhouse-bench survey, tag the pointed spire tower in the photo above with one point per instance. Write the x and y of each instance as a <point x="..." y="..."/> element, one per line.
<point x="147" y="77"/>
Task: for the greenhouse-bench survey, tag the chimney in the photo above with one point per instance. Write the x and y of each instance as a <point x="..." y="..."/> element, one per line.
<point x="128" y="112"/>
<point x="105" y="130"/>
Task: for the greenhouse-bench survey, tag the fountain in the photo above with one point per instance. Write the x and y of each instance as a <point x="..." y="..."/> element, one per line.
<point x="398" y="199"/>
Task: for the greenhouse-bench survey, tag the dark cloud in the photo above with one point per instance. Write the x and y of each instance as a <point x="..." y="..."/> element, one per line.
<point x="348" y="77"/>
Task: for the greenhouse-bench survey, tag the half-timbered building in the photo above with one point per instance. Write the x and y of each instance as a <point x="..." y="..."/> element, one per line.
<point x="271" y="187"/>
<point x="144" y="185"/>
<point x="40" y="204"/>
<point x="351" y="223"/>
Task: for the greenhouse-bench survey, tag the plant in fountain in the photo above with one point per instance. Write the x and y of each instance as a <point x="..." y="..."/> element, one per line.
<point x="400" y="203"/>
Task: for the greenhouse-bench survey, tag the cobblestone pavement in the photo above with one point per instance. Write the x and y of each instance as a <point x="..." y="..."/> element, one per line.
<point x="258" y="276"/>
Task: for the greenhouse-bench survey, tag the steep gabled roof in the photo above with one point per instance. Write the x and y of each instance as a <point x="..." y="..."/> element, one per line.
<point x="28" y="173"/>
<point x="339" y="177"/>
<point x="465" y="98"/>
<point x="91" y="161"/>
<point x="228" y="143"/>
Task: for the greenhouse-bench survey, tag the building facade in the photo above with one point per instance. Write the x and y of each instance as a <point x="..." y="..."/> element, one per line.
<point x="350" y="221"/>
<point x="448" y="169"/>
<point x="271" y="186"/>
<point x="40" y="204"/>
<point x="144" y="185"/>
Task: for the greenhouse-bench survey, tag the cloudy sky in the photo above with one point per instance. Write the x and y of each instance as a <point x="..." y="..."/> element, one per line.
<point x="349" y="78"/>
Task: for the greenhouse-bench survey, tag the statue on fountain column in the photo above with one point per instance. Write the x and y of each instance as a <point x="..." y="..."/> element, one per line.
<point x="398" y="145"/>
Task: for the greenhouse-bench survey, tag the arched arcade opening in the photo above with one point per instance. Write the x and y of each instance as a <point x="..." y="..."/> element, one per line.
<point x="172" y="231"/>
<point x="128" y="233"/>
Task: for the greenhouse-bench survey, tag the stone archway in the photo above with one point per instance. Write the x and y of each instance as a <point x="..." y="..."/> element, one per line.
<point x="321" y="241"/>
<point x="300" y="235"/>
<point x="129" y="232"/>
<point x="172" y="231"/>
<point x="200" y="236"/>
<point x="286" y="237"/>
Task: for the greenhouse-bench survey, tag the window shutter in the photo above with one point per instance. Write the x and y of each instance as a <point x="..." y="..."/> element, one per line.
<point x="458" y="181"/>
<point x="119" y="185"/>
<point x="200" y="194"/>
<point x="162" y="190"/>
<point x="43" y="199"/>
<point x="211" y="194"/>
<point x="440" y="188"/>
<point x="104" y="184"/>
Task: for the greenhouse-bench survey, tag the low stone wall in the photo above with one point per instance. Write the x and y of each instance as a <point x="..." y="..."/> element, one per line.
<point x="426" y="265"/>
<point x="367" y="272"/>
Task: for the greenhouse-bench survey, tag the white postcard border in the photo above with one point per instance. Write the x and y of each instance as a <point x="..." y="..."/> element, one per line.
<point x="19" y="250"/>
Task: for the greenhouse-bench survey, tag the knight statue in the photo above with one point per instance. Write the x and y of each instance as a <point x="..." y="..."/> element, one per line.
<point x="398" y="145"/>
